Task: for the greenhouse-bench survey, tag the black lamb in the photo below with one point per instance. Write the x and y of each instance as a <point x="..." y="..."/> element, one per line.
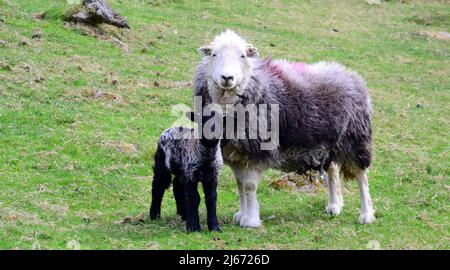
<point x="190" y="161"/>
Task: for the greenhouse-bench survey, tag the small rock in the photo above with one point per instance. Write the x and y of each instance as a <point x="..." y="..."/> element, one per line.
<point x="24" y="42"/>
<point x="86" y="219"/>
<point x="39" y="15"/>
<point x="373" y="2"/>
<point x="39" y="79"/>
<point x="419" y="105"/>
<point x="73" y="245"/>
<point x="37" y="34"/>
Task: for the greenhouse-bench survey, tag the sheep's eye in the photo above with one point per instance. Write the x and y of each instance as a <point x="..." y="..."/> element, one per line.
<point x="242" y="56"/>
<point x="214" y="55"/>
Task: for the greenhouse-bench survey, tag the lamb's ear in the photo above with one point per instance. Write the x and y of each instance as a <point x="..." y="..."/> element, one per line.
<point x="205" y="50"/>
<point x="190" y="116"/>
<point x="252" y="51"/>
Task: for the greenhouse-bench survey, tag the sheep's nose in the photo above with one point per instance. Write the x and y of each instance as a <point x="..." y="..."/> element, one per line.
<point x="227" y="78"/>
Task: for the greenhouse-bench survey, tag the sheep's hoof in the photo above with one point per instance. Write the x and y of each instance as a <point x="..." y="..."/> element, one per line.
<point x="214" y="228"/>
<point x="154" y="215"/>
<point x="366" y="218"/>
<point x="250" y="222"/>
<point x="193" y="227"/>
<point x="333" y="209"/>
<point x="237" y="217"/>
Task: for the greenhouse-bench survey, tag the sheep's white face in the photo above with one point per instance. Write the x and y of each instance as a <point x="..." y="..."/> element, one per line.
<point x="228" y="60"/>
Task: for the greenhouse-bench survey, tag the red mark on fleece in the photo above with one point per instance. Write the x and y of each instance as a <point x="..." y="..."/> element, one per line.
<point x="277" y="70"/>
<point x="298" y="66"/>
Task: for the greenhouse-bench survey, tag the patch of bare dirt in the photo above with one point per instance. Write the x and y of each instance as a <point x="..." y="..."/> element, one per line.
<point x="125" y="148"/>
<point x="433" y="35"/>
<point x="292" y="182"/>
<point x="133" y="220"/>
<point x="60" y="210"/>
<point x="11" y="215"/>
<point x="99" y="94"/>
<point x="96" y="94"/>
<point x="103" y="32"/>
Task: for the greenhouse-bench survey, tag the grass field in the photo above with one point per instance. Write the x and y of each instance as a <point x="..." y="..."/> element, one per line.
<point x="81" y="111"/>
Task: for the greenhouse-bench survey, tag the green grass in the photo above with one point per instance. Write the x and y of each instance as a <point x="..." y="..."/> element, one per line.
<point x="58" y="182"/>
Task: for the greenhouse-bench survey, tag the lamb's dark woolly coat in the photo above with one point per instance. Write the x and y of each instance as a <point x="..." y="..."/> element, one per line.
<point x="325" y="116"/>
<point x="189" y="161"/>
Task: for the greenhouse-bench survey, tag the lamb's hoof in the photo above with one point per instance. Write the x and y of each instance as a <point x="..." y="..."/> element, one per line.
<point x="334" y="209"/>
<point x="367" y="218"/>
<point x="237" y="217"/>
<point x="214" y="228"/>
<point x="193" y="228"/>
<point x="250" y="222"/>
<point x="154" y="215"/>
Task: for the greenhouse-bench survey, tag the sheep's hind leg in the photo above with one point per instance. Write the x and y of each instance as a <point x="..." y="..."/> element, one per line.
<point x="367" y="213"/>
<point x="192" y="203"/>
<point x="335" y="198"/>
<point x="210" y="190"/>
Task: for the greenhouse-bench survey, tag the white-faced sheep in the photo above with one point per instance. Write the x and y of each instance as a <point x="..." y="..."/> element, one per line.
<point x="324" y="120"/>
<point x="190" y="161"/>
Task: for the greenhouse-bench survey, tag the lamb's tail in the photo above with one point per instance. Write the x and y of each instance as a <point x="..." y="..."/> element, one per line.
<point x="161" y="181"/>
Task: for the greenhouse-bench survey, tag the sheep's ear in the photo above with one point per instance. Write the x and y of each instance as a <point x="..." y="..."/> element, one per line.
<point x="190" y="116"/>
<point x="205" y="50"/>
<point x="252" y="51"/>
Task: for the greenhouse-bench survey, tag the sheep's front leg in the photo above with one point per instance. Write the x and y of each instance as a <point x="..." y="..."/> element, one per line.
<point x="159" y="186"/>
<point x="247" y="181"/>
<point x="192" y="203"/>
<point x="210" y="190"/>
<point x="180" y="196"/>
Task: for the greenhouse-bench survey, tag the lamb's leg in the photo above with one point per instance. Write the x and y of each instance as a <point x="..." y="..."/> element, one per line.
<point x="192" y="203"/>
<point x="161" y="181"/>
<point x="248" y="180"/>
<point x="367" y="213"/>
<point x="336" y="200"/>
<point x="210" y="190"/>
<point x="180" y="197"/>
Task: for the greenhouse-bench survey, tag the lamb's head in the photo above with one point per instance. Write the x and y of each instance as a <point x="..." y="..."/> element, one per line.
<point x="228" y="62"/>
